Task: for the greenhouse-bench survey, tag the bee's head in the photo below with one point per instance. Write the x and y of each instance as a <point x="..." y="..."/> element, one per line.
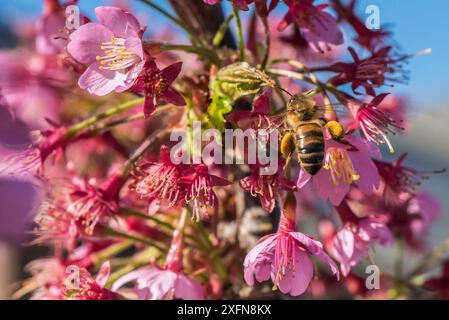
<point x="302" y="104"/>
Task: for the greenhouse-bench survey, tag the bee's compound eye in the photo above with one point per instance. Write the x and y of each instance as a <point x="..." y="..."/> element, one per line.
<point x="336" y="130"/>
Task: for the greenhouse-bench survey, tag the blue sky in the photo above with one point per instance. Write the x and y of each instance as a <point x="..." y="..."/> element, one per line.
<point x="416" y="24"/>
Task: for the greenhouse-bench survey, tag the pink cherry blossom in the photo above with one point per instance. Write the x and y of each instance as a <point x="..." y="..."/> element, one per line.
<point x="396" y="107"/>
<point x="258" y="117"/>
<point x="344" y="165"/>
<point x="412" y="215"/>
<point x="56" y="226"/>
<point x="198" y="189"/>
<point x="351" y="244"/>
<point x="89" y="204"/>
<point x="45" y="143"/>
<point x="426" y="209"/>
<point x="159" y="179"/>
<point x="91" y="107"/>
<point x="266" y="187"/>
<point x="48" y="275"/>
<point x="369" y="73"/>
<point x="111" y="50"/>
<point x="399" y="178"/>
<point x="154" y="283"/>
<point x="157" y="84"/>
<point x="319" y="28"/>
<point x="51" y="37"/>
<point x="75" y="210"/>
<point x="366" y="37"/>
<point x="30" y="85"/>
<point x="285" y="258"/>
<point x="167" y="283"/>
<point x="85" y="287"/>
<point x="373" y="122"/>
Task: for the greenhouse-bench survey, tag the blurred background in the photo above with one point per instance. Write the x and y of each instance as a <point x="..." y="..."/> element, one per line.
<point x="416" y="25"/>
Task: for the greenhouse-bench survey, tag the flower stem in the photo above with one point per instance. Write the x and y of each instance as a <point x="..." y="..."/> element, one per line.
<point x="133" y="213"/>
<point x="218" y="38"/>
<point x="139" y="260"/>
<point x="141" y="150"/>
<point x="267" y="42"/>
<point x="135" y="238"/>
<point x="239" y="33"/>
<point x="182" y="222"/>
<point x="97" y="129"/>
<point x="170" y="228"/>
<point x="112" y="250"/>
<point x="214" y="254"/>
<point x="76" y="128"/>
<point x="398" y="269"/>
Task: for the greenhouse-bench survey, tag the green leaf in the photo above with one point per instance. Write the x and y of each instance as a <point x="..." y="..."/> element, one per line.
<point x="230" y="83"/>
<point x="217" y="109"/>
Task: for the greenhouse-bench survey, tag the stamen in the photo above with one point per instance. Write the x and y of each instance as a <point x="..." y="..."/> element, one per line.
<point x="116" y="55"/>
<point x="375" y="125"/>
<point x="338" y="162"/>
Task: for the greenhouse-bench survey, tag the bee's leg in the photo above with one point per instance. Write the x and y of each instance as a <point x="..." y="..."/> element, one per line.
<point x="338" y="133"/>
<point x="288" y="147"/>
<point x="336" y="130"/>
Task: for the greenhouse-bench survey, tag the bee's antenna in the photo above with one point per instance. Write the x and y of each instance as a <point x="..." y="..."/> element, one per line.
<point x="282" y="89"/>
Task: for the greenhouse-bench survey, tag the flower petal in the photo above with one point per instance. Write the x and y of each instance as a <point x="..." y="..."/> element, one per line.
<point x="303" y="178"/>
<point x="161" y="286"/>
<point x="134" y="44"/>
<point x="133" y="276"/>
<point x="327" y="190"/>
<point x="257" y="259"/>
<point x="171" y="72"/>
<point x="131" y="77"/>
<point x="262" y="104"/>
<point x="100" y="82"/>
<point x="85" y="43"/>
<point x="120" y="22"/>
<point x="316" y="248"/>
<point x="149" y="105"/>
<point x="174" y="97"/>
<point x="368" y="172"/>
<point x="188" y="289"/>
<point x="103" y="274"/>
<point x="303" y="273"/>
<point x="321" y="30"/>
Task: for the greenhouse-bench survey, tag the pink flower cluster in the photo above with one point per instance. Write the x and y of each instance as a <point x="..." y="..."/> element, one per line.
<point x="101" y="102"/>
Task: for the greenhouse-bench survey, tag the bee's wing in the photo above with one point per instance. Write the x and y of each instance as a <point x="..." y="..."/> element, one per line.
<point x="338" y="108"/>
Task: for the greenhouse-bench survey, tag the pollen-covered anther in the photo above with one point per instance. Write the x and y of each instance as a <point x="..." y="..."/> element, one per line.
<point x="339" y="164"/>
<point x="116" y="55"/>
<point x="156" y="83"/>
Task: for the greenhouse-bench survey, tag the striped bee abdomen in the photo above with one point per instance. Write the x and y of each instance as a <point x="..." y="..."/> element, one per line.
<point x="310" y="146"/>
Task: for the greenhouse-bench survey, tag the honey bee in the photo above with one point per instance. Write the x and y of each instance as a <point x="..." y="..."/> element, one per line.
<point x="304" y="133"/>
